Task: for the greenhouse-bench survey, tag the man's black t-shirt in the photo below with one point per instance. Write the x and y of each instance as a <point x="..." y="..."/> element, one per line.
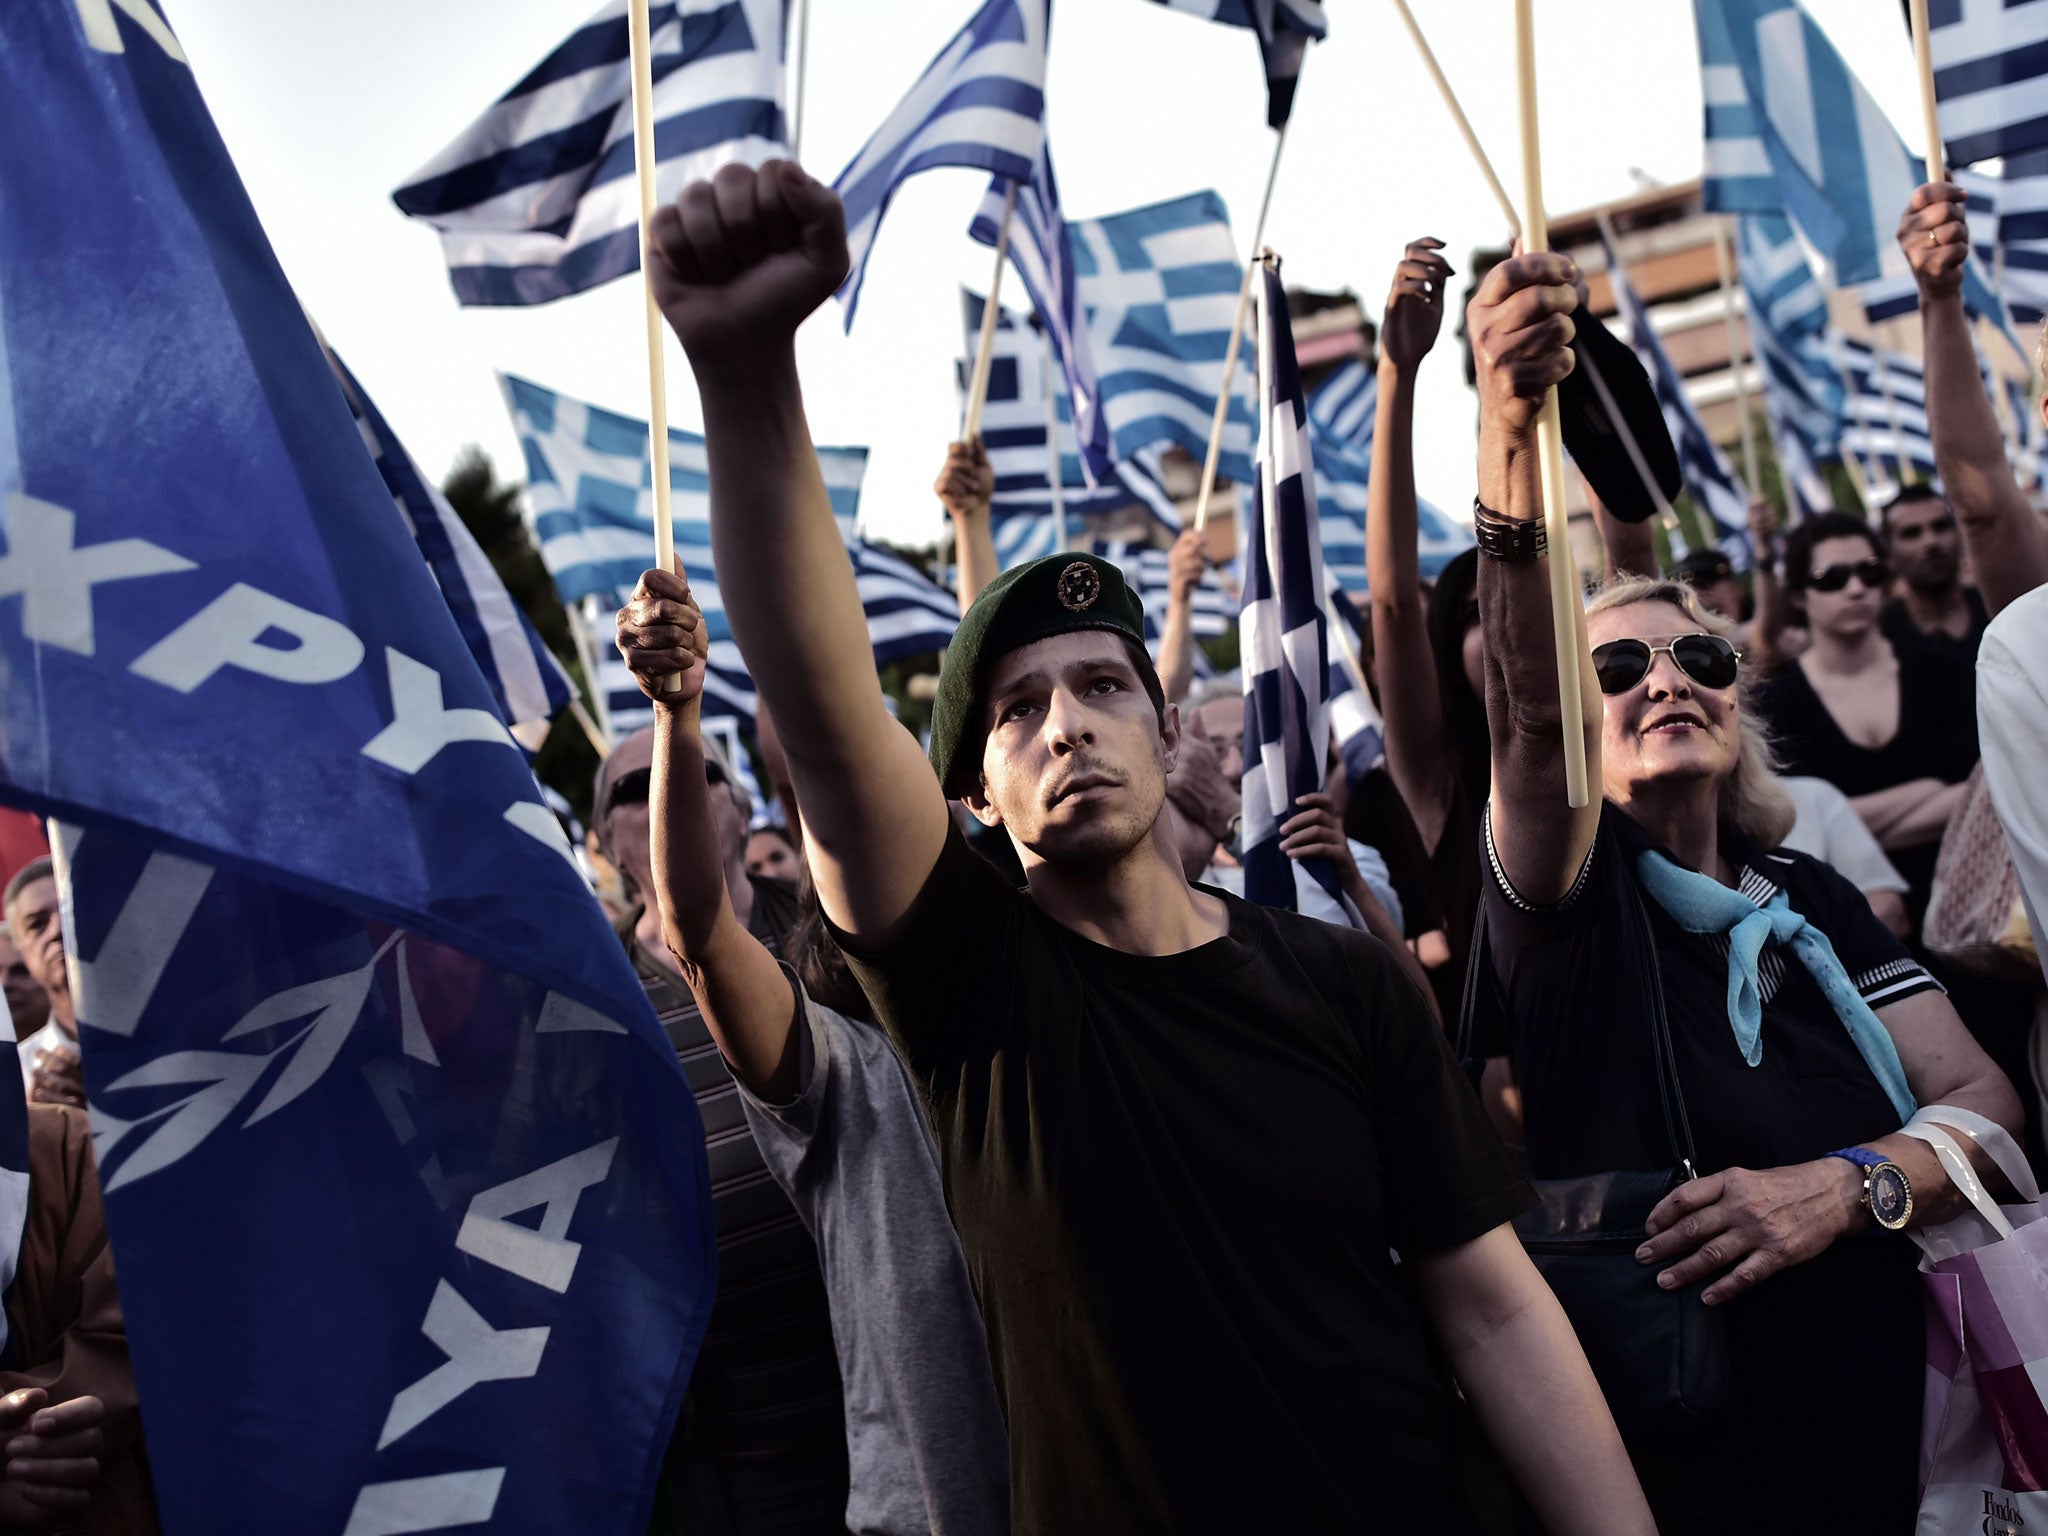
<point x="1909" y="638"/>
<point x="1177" y="1180"/>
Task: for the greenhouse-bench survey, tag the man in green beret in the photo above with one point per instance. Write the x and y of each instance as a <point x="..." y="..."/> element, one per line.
<point x="1179" y="1133"/>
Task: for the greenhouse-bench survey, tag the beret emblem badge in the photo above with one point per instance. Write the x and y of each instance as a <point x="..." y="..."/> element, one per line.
<point x="1078" y="587"/>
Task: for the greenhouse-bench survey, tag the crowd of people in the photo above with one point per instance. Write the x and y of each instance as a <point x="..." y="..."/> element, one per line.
<point x="1059" y="1189"/>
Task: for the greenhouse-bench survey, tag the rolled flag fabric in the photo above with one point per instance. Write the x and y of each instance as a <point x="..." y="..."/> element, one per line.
<point x="1990" y="76"/>
<point x="979" y="104"/>
<point x="1283" y="624"/>
<point x="1042" y="252"/>
<point x="538" y="197"/>
<point x="1354" y="717"/>
<point x="13" y="1178"/>
<point x="526" y="682"/>
<point x="340" y="985"/>
<point x="1788" y="329"/>
<point x="1284" y="27"/>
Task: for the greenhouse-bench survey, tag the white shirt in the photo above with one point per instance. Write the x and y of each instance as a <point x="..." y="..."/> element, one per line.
<point x="1829" y="829"/>
<point x="2012" y="724"/>
<point x="1310" y="899"/>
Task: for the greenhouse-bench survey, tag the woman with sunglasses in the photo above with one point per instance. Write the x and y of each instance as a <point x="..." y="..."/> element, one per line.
<point x="1802" y="1034"/>
<point x="1896" y="734"/>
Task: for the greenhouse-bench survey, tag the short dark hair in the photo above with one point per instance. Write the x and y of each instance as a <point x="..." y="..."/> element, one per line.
<point x="1909" y="496"/>
<point x="1821" y="526"/>
<point x="35" y="869"/>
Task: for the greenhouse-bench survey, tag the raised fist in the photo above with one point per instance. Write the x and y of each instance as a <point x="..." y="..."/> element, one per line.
<point x="1185" y="563"/>
<point x="1520" y="322"/>
<point x="739" y="261"/>
<point x="967" y="482"/>
<point x="1936" y="238"/>
<point x="662" y="635"/>
<point x="1415" y="307"/>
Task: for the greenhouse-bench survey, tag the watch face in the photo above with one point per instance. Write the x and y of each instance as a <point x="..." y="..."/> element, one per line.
<point x="1891" y="1197"/>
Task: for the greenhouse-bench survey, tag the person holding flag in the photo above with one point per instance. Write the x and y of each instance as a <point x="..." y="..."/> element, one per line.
<point x="1180" y="1134"/>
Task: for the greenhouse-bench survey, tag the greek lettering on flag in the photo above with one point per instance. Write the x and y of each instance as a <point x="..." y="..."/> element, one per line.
<point x="979" y="104"/>
<point x="379" y="1104"/>
<point x="1042" y="253"/>
<point x="1283" y="625"/>
<point x="1708" y="476"/>
<point x="526" y="682"/>
<point x="1990" y="76"/>
<point x="1284" y="27"/>
<point x="1160" y="287"/>
<point x="538" y="198"/>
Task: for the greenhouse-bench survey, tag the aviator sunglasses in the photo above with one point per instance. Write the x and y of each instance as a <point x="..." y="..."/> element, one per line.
<point x="1873" y="573"/>
<point x="1708" y="660"/>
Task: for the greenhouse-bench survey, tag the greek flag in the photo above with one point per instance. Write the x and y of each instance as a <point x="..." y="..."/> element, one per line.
<point x="1354" y="717"/>
<point x="378" y="1103"/>
<point x="1284" y="27"/>
<point x="1884" y="409"/>
<point x="1788" y="328"/>
<point x="1990" y="76"/>
<point x="979" y="104"/>
<point x="1283" y="625"/>
<point x="1891" y="297"/>
<point x="1213" y="609"/>
<point x="1342" y="473"/>
<point x="2020" y="257"/>
<point x="1160" y="288"/>
<point x="1715" y="491"/>
<point x="1790" y="130"/>
<point x="1346" y="404"/>
<point x="538" y="198"/>
<point x="526" y="682"/>
<point x="1042" y="254"/>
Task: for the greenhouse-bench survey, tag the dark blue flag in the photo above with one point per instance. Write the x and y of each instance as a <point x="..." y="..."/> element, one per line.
<point x="405" y="1186"/>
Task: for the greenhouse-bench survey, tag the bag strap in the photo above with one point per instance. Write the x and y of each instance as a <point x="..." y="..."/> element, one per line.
<point x="1994" y="1138"/>
<point x="1957" y="1165"/>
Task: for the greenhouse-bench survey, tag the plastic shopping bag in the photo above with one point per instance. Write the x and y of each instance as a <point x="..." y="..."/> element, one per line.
<point x="1984" y="1425"/>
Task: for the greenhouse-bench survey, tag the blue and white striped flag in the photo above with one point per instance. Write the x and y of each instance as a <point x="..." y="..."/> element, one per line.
<point x="538" y="199"/>
<point x="1788" y="327"/>
<point x="1285" y="29"/>
<point x="1791" y="130"/>
<point x="1283" y="625"/>
<point x="1346" y="404"/>
<point x="1342" y="476"/>
<point x="1354" y="717"/>
<point x="1715" y="491"/>
<point x="526" y="682"/>
<point x="1145" y="567"/>
<point x="2020" y="256"/>
<point x="1884" y="409"/>
<point x="1042" y="252"/>
<point x="1160" y="287"/>
<point x="1990" y="76"/>
<point x="979" y="104"/>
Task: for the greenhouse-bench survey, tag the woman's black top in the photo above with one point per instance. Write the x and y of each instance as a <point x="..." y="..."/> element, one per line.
<point x="1822" y="1430"/>
<point x="1936" y="739"/>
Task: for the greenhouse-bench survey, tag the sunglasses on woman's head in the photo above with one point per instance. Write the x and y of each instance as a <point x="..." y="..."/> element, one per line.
<point x="1873" y="573"/>
<point x="1708" y="660"/>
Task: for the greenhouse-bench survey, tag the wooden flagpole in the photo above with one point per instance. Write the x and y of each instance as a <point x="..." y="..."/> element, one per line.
<point x="1930" y="119"/>
<point x="1056" y="472"/>
<point x="1566" y="606"/>
<point x="803" y="49"/>
<point x="984" y="354"/>
<point x="1735" y="356"/>
<point x="657" y="381"/>
<point x="1244" y="299"/>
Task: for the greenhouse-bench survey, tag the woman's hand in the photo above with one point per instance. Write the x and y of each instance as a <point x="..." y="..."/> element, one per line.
<point x="1751" y="1224"/>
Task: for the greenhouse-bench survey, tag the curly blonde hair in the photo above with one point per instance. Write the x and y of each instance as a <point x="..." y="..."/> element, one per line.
<point x="1753" y="799"/>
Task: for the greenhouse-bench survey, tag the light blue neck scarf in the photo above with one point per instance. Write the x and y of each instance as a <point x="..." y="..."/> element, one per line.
<point x="1701" y="904"/>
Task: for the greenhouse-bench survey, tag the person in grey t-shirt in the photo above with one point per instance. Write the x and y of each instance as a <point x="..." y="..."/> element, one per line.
<point x="839" y="1126"/>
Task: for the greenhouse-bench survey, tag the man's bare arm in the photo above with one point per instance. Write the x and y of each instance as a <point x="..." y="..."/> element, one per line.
<point x="738" y="263"/>
<point x="1184" y="566"/>
<point x="966" y="486"/>
<point x="2006" y="540"/>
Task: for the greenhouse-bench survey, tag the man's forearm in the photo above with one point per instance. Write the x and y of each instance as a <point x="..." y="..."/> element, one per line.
<point x="1177" y="649"/>
<point x="974" y="546"/>
<point x="1909" y="815"/>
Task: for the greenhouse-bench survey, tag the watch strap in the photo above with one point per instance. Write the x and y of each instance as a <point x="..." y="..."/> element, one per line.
<point x="1862" y="1157"/>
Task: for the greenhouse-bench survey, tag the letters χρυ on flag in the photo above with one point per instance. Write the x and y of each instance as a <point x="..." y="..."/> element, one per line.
<point x="378" y="1102"/>
<point x="538" y="198"/>
<point x="979" y="104"/>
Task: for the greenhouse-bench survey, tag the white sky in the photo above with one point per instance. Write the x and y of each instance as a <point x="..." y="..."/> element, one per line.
<point x="327" y="105"/>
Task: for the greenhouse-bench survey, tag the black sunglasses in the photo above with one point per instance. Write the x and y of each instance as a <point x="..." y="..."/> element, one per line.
<point x="1708" y="660"/>
<point x="1873" y="573"/>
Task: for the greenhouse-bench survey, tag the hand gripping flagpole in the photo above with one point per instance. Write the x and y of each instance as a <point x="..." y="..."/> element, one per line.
<point x="657" y="381"/>
<point x="984" y="354"/>
<point x="1565" y="604"/>
<point x="1923" y="56"/>
<point x="1244" y="299"/>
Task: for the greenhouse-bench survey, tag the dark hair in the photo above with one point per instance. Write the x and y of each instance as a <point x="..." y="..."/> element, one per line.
<point x="1471" y="742"/>
<point x="817" y="960"/>
<point x="1821" y="526"/>
<point x="1912" y="495"/>
<point x="776" y="830"/>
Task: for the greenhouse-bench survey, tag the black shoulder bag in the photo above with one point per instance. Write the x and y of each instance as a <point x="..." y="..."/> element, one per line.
<point x="1661" y="1357"/>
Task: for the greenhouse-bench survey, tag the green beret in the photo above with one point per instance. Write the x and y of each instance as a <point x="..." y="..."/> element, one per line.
<point x="1052" y="596"/>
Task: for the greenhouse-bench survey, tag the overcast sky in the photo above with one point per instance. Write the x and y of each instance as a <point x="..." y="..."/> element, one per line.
<point x="327" y="105"/>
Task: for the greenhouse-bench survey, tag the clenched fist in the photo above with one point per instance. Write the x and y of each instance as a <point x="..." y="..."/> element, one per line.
<point x="967" y="482"/>
<point x="1936" y="238"/>
<point x="662" y="635"/>
<point x="1185" y="563"/>
<point x="740" y="260"/>
<point x="1520" y="322"/>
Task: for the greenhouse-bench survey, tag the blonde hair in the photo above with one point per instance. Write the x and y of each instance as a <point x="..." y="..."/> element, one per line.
<point x="1753" y="800"/>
